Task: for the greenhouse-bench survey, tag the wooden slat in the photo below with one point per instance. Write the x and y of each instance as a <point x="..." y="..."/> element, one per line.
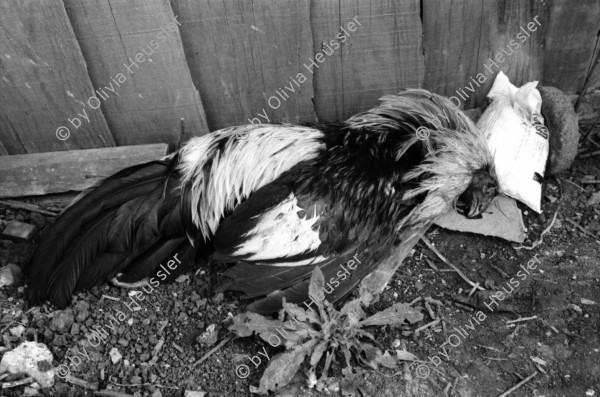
<point x="383" y="55"/>
<point x="460" y="37"/>
<point x="152" y="97"/>
<point x="44" y="81"/>
<point x="241" y="53"/>
<point x="3" y="151"/>
<point x="43" y="173"/>
<point x="570" y="39"/>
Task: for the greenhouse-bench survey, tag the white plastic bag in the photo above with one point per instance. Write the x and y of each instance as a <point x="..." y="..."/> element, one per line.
<point x="517" y="137"/>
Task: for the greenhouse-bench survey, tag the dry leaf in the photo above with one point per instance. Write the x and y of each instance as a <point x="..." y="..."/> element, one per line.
<point x="282" y="368"/>
<point x="395" y="315"/>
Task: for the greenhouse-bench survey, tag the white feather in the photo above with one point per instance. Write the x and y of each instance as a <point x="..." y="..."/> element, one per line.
<point x="245" y="165"/>
<point x="281" y="233"/>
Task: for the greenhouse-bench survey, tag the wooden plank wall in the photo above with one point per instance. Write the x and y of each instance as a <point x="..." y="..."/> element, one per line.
<point x="382" y="56"/>
<point x="44" y="82"/>
<point x="155" y="89"/>
<point x="232" y="62"/>
<point x="241" y="54"/>
<point x="467" y="43"/>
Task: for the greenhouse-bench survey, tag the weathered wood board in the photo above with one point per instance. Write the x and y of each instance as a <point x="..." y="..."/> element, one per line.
<point x="382" y="56"/>
<point x="143" y="96"/>
<point x="572" y="33"/>
<point x="44" y="82"/>
<point x="245" y="58"/>
<point x="467" y="43"/>
<point x="56" y="172"/>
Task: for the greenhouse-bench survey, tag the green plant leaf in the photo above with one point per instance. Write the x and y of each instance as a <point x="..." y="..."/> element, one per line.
<point x="386" y="360"/>
<point x="318" y="353"/>
<point x="271" y="331"/>
<point x="395" y="315"/>
<point x="283" y="367"/>
<point x="404" y="355"/>
<point x="293" y="310"/>
<point x="316" y="288"/>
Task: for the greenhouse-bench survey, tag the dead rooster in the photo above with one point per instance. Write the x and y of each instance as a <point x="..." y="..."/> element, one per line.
<point x="277" y="203"/>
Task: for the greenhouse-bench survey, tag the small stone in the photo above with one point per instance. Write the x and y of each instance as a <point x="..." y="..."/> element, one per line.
<point x="218" y="298"/>
<point x="62" y="321"/>
<point x="9" y="275"/>
<point x="28" y="358"/>
<point x="193" y="393"/>
<point x="115" y="355"/>
<point x="17" y="331"/>
<point x="123" y="342"/>
<point x="156" y="393"/>
<point x="594" y="200"/>
<point x="209" y="337"/>
<point x="135" y="380"/>
<point x="419" y="285"/>
<point x="75" y="329"/>
<point x="145" y="357"/>
<point x="81" y="306"/>
<point x="30" y="391"/>
<point x="18" y="231"/>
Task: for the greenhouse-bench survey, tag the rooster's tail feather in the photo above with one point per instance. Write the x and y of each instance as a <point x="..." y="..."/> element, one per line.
<point x="128" y="222"/>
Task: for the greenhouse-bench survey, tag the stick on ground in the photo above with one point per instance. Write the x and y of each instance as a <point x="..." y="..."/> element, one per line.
<point x="521" y="383"/>
<point x="214" y="349"/>
<point x="457" y="270"/>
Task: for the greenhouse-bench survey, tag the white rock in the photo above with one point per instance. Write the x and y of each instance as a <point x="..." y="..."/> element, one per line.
<point x="9" y="274"/>
<point x="31" y="358"/>
<point x="17" y="331"/>
<point x="115" y="355"/>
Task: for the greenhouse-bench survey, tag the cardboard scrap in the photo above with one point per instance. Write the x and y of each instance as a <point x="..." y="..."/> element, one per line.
<point x="502" y="219"/>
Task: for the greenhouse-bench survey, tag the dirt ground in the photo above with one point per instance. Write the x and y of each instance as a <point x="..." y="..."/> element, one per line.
<point x="558" y="338"/>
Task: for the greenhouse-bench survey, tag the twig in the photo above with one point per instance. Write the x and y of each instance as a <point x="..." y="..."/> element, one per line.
<point x="578" y="226"/>
<point x="176" y="346"/>
<point x="490" y="348"/>
<point x="429" y="310"/>
<point x="574" y="184"/>
<point x="541" y="239"/>
<point x="473" y="289"/>
<point x="214" y="349"/>
<point x="502" y="272"/>
<point x="590" y="182"/>
<point x="518" y="320"/>
<point x="583" y="156"/>
<point x="436" y="302"/>
<point x="144" y="384"/>
<point x="110" y="393"/>
<point x="428" y="325"/>
<point x="111" y="298"/>
<point x="515" y="387"/>
<point x="16" y="383"/>
<point x="25" y="206"/>
<point x="431" y="265"/>
<point x="493" y="358"/>
<point x="463" y="306"/>
<point x="457" y="270"/>
<point x="81" y="383"/>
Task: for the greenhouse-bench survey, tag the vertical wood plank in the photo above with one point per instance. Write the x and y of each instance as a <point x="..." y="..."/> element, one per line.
<point x="570" y="39"/>
<point x="143" y="96"/>
<point x="382" y="56"/>
<point x="246" y="58"/>
<point x="463" y="38"/>
<point x="3" y="151"/>
<point x="44" y="81"/>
